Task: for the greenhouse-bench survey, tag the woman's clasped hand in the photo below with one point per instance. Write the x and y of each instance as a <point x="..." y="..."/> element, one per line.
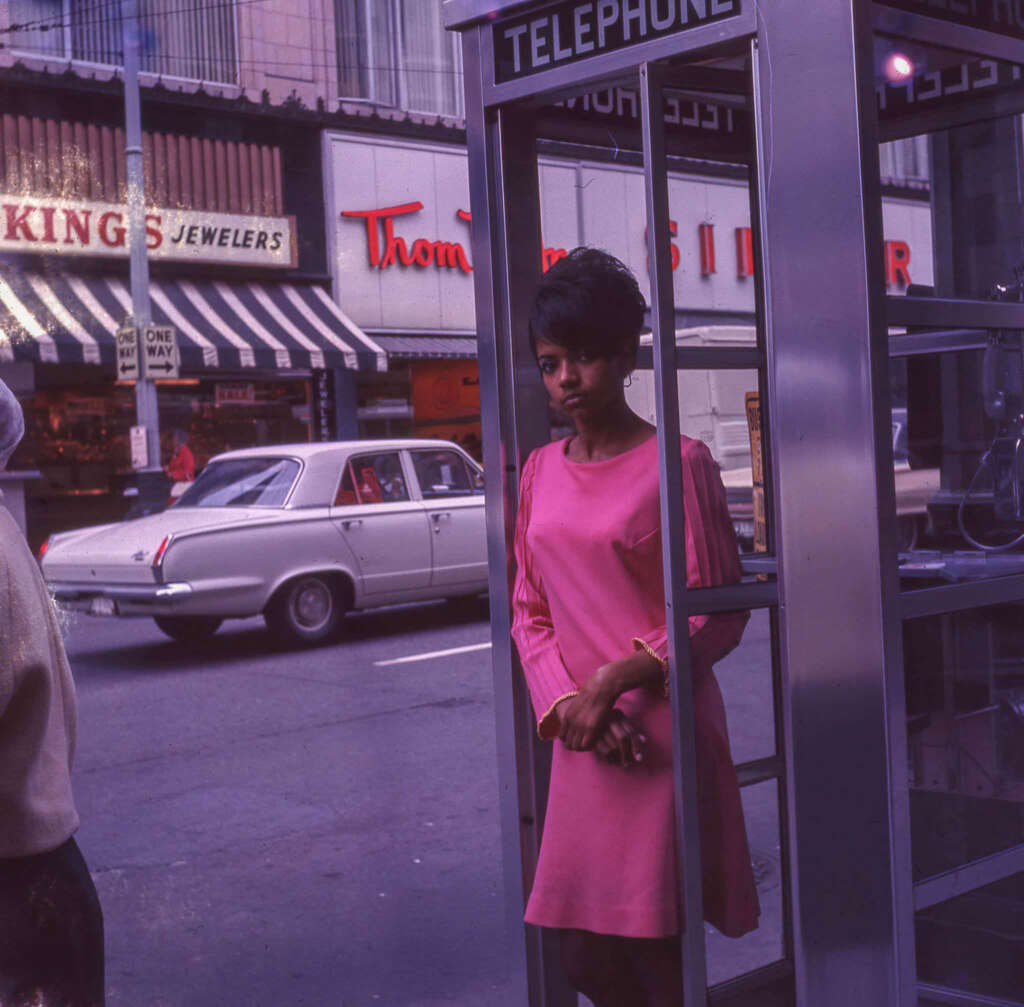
<point x="589" y="720"/>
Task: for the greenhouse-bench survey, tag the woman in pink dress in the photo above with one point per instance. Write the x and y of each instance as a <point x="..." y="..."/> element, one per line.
<point x="589" y="625"/>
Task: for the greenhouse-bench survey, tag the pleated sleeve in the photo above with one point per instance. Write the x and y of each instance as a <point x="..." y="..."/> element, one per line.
<point x="547" y="677"/>
<point x="712" y="559"/>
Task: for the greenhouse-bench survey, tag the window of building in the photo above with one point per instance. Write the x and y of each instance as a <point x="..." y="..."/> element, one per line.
<point x="396" y="52"/>
<point x="904" y="160"/>
<point x="196" y="41"/>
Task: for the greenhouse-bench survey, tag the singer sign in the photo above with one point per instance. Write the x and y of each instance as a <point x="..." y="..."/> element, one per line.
<point x="400" y="233"/>
<point x="38" y="225"/>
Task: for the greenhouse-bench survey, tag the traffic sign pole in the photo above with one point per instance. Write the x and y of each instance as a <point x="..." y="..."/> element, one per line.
<point x="150" y="478"/>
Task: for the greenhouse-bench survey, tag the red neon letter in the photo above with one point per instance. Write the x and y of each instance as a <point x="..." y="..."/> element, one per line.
<point x="549" y="256"/>
<point x="49" y="212"/>
<point x="103" y="226"/>
<point x="154" y="236"/>
<point x="422" y="252"/>
<point x="673" y="230"/>
<point x="897" y="263"/>
<point x="80" y="225"/>
<point x="706" y="233"/>
<point x="451" y="255"/>
<point x="744" y="252"/>
<point x="384" y="214"/>
<point x="18" y="221"/>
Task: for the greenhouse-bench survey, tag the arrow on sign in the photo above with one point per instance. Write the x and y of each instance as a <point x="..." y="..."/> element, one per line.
<point x="126" y="367"/>
<point x="160" y="367"/>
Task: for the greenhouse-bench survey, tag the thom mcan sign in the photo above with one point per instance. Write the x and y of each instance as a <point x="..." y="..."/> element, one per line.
<point x="569" y="32"/>
<point x="37" y="225"/>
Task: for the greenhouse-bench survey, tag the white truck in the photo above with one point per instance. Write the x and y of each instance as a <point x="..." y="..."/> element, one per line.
<point x="712" y="407"/>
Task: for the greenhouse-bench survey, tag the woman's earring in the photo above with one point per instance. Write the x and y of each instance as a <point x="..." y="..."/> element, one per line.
<point x="629" y="380"/>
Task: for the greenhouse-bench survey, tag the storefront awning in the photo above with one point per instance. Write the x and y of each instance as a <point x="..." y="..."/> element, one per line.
<point x="428" y="347"/>
<point x="73" y="319"/>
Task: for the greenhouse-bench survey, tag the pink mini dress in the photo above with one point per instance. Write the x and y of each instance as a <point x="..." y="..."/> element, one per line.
<point x="589" y="590"/>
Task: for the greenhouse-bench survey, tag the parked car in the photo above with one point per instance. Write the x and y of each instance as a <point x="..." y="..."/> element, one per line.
<point x="300" y="533"/>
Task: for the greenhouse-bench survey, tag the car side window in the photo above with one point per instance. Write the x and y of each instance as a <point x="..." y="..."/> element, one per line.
<point x="375" y="478"/>
<point x="444" y="474"/>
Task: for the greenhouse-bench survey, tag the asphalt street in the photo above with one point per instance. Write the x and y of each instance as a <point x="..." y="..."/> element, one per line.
<point x="271" y="828"/>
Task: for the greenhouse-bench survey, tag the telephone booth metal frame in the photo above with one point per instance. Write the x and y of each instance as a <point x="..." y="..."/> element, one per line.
<point x="836" y="598"/>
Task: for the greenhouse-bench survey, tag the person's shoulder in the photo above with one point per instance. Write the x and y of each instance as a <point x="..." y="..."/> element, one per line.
<point x="695" y="452"/>
<point x="15" y="555"/>
<point x="544" y="453"/>
<point x="693" y="447"/>
<point x="540" y="459"/>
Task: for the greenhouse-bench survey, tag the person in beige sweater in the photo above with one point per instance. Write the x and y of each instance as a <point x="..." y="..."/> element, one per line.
<point x="51" y="925"/>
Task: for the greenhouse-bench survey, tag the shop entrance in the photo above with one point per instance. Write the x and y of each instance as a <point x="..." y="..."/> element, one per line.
<point x="884" y="407"/>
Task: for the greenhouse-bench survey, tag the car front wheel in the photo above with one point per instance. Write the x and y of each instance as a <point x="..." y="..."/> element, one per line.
<point x="306" y="611"/>
<point x="188" y="628"/>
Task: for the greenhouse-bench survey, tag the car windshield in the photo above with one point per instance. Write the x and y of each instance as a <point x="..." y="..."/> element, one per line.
<point x="242" y="482"/>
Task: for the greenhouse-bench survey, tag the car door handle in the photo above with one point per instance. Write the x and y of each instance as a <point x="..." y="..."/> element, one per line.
<point x="437" y="520"/>
<point x="352" y="522"/>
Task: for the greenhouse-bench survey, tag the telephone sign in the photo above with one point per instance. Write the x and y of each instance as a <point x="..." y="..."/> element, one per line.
<point x="160" y="351"/>
<point x="569" y="32"/>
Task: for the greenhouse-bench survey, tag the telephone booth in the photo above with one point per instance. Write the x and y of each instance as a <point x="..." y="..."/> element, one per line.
<point x="884" y="772"/>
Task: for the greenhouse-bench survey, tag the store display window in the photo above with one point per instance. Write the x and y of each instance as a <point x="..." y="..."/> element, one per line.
<point x="78" y="428"/>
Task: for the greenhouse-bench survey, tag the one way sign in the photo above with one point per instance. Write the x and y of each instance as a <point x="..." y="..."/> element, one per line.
<point x="127" y="354"/>
<point x="160" y="351"/>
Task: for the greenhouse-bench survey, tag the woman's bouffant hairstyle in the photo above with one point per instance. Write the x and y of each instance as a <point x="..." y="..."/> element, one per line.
<point x="588" y="301"/>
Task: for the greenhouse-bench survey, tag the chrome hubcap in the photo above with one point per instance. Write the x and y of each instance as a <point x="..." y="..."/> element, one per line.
<point x="312" y="604"/>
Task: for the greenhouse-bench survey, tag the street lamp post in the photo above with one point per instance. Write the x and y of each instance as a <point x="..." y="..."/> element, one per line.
<point x="150" y="475"/>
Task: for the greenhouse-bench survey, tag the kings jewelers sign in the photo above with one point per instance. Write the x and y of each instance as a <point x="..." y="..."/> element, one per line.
<point x="37" y="225"/>
<point x="569" y="32"/>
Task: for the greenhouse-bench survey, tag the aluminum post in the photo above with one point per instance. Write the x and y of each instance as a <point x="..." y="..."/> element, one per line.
<point x="150" y="478"/>
<point x="506" y="223"/>
<point x="684" y="747"/>
<point x="820" y="232"/>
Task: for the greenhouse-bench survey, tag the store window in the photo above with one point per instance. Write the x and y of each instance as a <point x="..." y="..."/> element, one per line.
<point x="904" y="161"/>
<point x="396" y="52"/>
<point x="79" y="422"/>
<point x="191" y="40"/>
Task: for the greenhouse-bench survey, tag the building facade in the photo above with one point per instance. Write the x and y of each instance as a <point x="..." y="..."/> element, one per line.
<point x="307" y="193"/>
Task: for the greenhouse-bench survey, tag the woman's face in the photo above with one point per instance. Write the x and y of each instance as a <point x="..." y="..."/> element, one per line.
<point x="579" y="384"/>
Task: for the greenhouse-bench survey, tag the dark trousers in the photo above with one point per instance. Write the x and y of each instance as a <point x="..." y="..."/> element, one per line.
<point x="51" y="931"/>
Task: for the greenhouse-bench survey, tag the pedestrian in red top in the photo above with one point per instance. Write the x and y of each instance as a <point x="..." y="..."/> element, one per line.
<point x="589" y="625"/>
<point x="182" y="466"/>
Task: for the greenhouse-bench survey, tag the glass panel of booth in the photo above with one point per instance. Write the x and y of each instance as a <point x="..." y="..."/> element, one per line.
<point x="952" y="194"/>
<point x="729" y="958"/>
<point x="953" y="265"/>
<point x="745" y="678"/>
<point x="964" y="679"/>
<point x="971" y="943"/>
<point x="721" y="408"/>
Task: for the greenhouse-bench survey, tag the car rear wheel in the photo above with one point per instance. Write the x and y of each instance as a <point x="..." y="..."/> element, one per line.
<point x="307" y="610"/>
<point x="188" y="628"/>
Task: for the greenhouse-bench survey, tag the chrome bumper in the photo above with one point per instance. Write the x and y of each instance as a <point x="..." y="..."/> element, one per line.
<point x="125" y="598"/>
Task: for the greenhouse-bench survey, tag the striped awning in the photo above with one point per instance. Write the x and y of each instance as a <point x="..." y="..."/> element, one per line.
<point x="73" y="319"/>
<point x="405" y="347"/>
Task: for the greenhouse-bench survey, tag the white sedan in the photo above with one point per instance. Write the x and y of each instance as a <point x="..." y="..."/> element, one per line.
<point x="300" y="533"/>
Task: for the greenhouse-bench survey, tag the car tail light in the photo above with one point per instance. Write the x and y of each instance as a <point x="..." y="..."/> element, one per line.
<point x="158" y="557"/>
<point x="43" y="548"/>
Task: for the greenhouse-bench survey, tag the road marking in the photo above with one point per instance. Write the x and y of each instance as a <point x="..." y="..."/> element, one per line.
<point x="432" y="654"/>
